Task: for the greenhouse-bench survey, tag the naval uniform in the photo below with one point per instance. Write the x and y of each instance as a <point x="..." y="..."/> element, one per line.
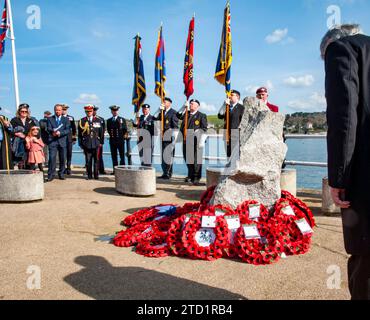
<point x="193" y="153"/>
<point x="90" y="131"/>
<point x="117" y="130"/>
<point x="100" y="151"/>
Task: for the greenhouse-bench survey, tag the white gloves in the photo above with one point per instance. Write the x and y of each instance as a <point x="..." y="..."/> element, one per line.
<point x="223" y="110"/>
<point x="202" y="142"/>
<point x="162" y="107"/>
<point x="228" y="101"/>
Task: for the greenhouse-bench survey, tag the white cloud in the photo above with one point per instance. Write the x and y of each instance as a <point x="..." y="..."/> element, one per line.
<point x="209" y="108"/>
<point x="299" y="82"/>
<point x="6" y="111"/>
<point x="251" y="89"/>
<point x="86" y="98"/>
<point x="279" y="35"/>
<point x="316" y="102"/>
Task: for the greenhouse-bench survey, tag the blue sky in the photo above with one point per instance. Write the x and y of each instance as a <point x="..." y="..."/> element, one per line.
<point x="84" y="51"/>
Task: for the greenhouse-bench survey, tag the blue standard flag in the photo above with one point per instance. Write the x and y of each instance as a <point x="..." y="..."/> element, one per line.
<point x="139" y="94"/>
<point x="225" y="57"/>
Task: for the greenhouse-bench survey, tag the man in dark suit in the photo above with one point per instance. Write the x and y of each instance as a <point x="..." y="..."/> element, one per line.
<point x="145" y="135"/>
<point x="102" y="140"/>
<point x="194" y="143"/>
<point x="170" y="130"/>
<point x="236" y="116"/>
<point x="89" y="136"/>
<point x="117" y="130"/>
<point x="44" y="133"/>
<point x="58" y="128"/>
<point x="347" y="65"/>
<point x="72" y="138"/>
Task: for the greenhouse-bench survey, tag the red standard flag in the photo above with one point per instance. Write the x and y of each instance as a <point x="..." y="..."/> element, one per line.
<point x="189" y="62"/>
<point x="3" y="29"/>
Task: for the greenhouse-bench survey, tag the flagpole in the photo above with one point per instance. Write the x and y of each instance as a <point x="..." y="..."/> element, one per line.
<point x="15" y="70"/>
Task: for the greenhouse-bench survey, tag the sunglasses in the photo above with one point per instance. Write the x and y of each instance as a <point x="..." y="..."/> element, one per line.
<point x="23" y="111"/>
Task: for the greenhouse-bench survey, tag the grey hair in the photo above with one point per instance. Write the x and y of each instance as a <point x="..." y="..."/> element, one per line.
<point x="336" y="33"/>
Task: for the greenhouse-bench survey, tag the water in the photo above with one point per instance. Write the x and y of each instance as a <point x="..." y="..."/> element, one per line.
<point x="298" y="150"/>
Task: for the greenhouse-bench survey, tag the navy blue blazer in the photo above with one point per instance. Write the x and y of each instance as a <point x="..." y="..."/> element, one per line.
<point x="64" y="129"/>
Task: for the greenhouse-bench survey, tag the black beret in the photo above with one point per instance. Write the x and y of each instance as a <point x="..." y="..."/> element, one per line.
<point x="194" y="100"/>
<point x="114" y="108"/>
<point x="145" y="106"/>
<point x="96" y="108"/>
<point x="236" y="92"/>
<point x="168" y="99"/>
<point x="23" y="106"/>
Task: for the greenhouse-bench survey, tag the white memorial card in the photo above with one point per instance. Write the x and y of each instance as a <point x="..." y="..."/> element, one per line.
<point x="251" y="231"/>
<point x="233" y="222"/>
<point x="304" y="226"/>
<point x="254" y="211"/>
<point x="288" y="210"/>
<point x="209" y="222"/>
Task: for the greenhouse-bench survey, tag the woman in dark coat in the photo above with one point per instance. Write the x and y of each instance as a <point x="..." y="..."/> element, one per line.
<point x="21" y="124"/>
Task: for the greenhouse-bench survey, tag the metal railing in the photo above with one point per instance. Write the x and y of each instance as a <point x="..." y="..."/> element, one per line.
<point x="216" y="158"/>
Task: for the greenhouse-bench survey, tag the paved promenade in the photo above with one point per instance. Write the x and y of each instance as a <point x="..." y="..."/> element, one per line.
<point x="67" y="237"/>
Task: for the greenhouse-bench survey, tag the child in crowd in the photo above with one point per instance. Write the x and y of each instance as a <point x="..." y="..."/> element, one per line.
<point x="34" y="146"/>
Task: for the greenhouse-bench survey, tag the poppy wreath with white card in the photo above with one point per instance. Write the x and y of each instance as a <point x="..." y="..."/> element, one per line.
<point x="302" y="206"/>
<point x="259" y="247"/>
<point x="294" y="241"/>
<point x="234" y="224"/>
<point x="246" y="214"/>
<point x="188" y="208"/>
<point x="205" y="243"/>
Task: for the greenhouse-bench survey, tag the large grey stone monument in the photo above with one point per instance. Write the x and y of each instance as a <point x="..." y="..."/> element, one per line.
<point x="255" y="173"/>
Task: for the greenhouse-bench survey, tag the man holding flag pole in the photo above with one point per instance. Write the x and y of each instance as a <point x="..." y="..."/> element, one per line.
<point x="166" y="114"/>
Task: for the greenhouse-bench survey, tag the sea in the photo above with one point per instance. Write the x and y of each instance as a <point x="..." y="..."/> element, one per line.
<point x="308" y="150"/>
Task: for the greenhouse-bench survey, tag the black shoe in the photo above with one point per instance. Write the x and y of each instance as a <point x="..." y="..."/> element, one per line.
<point x="187" y="180"/>
<point x="112" y="174"/>
<point x="164" y="177"/>
<point x="49" y="179"/>
<point x="96" y="178"/>
<point x="196" y="183"/>
<point x="62" y="178"/>
<point x="68" y="172"/>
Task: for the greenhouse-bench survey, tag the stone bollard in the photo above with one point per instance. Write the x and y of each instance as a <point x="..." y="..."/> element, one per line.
<point x="328" y="205"/>
<point x="289" y="181"/>
<point x="215" y="175"/>
<point x="21" y="186"/>
<point x="136" y="181"/>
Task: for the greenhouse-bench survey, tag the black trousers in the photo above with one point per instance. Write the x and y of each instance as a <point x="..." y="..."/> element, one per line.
<point x="101" y="159"/>
<point x="167" y="158"/>
<point x="53" y="151"/>
<point x="69" y="155"/>
<point x="359" y="277"/>
<point x="194" y="159"/>
<point x="92" y="163"/>
<point x="128" y="151"/>
<point x="117" y="145"/>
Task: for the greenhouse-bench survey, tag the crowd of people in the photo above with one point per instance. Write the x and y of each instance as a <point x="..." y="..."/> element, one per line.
<point x="30" y="144"/>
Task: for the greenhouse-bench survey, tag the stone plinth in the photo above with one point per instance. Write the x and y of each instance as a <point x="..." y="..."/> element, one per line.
<point x="255" y="171"/>
<point x="136" y="181"/>
<point x="21" y="186"/>
<point x="289" y="181"/>
<point x="215" y="175"/>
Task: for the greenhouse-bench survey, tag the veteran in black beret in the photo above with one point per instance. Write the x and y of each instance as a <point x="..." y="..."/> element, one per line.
<point x="117" y="130"/>
<point x="170" y="132"/>
<point x="145" y="134"/>
<point x="194" y="143"/>
<point x="236" y="116"/>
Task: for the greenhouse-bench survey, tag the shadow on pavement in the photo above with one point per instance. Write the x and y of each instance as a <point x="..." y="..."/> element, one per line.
<point x="102" y="281"/>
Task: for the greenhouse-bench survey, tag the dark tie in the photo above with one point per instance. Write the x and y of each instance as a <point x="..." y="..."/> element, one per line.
<point x="58" y="122"/>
